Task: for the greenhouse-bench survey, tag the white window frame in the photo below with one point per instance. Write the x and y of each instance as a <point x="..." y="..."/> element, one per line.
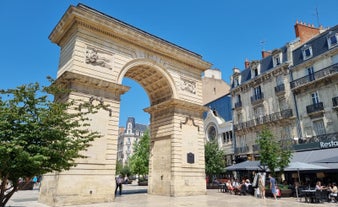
<point x="329" y="40"/>
<point x="277" y="59"/>
<point x="304" y="52"/>
<point x="315" y="98"/>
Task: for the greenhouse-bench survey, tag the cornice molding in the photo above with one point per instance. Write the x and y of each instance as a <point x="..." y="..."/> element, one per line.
<point x="81" y="16"/>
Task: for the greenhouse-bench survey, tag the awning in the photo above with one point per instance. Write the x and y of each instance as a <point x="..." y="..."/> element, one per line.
<point x="246" y="165"/>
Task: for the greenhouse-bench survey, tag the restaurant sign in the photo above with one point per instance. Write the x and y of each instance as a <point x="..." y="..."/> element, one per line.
<point x="331" y="144"/>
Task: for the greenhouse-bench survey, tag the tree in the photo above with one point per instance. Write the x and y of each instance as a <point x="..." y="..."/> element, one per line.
<point x="273" y="154"/>
<point x="214" y="159"/>
<point x="38" y="135"/>
<point x="139" y="161"/>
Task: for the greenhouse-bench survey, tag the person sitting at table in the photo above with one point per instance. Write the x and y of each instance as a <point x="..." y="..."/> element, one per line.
<point x="319" y="186"/>
<point x="333" y="192"/>
<point x="229" y="186"/>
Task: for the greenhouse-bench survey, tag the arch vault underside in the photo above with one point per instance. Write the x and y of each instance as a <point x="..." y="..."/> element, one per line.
<point x="97" y="52"/>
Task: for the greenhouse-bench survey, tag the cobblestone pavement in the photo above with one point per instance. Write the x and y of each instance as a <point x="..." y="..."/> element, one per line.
<point x="133" y="196"/>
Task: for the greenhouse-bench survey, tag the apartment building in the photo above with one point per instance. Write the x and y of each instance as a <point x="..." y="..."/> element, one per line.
<point x="314" y="84"/>
<point x="128" y="137"/>
<point x="263" y="93"/>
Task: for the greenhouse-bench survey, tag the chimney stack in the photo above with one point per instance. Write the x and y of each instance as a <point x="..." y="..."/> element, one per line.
<point x="305" y="31"/>
<point x="265" y="54"/>
<point x="246" y="63"/>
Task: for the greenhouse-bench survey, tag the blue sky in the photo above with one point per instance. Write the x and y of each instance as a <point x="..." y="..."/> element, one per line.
<point x="224" y="32"/>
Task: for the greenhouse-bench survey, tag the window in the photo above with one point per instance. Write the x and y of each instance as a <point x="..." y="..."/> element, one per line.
<point x="277" y="59"/>
<point x="279" y="80"/>
<point x="212" y="133"/>
<point x="307" y="52"/>
<point x="332" y="40"/>
<point x="257" y="92"/>
<point x="310" y="73"/>
<point x="315" y="98"/>
<point x="236" y="82"/>
<point x="282" y="104"/>
<point x="318" y="127"/>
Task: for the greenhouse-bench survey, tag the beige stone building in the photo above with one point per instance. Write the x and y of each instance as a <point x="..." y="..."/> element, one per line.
<point x="214" y="86"/>
<point x="314" y="83"/>
<point x="263" y="97"/>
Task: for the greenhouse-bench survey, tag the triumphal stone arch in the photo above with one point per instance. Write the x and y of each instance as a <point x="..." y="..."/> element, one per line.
<point x="97" y="52"/>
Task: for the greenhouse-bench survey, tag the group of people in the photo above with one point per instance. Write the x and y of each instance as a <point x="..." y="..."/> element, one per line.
<point x="246" y="187"/>
<point x="331" y="188"/>
<point x="238" y="188"/>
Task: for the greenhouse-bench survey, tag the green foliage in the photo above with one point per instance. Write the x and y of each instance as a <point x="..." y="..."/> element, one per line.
<point x="273" y="154"/>
<point x="38" y="135"/>
<point x="214" y="159"/>
<point x="125" y="171"/>
<point x="139" y="161"/>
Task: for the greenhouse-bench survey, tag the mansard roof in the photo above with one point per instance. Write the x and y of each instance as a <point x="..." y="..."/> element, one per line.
<point x="266" y="64"/>
<point x="318" y="44"/>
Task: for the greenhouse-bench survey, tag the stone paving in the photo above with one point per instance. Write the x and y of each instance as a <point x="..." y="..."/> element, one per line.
<point x="134" y="196"/>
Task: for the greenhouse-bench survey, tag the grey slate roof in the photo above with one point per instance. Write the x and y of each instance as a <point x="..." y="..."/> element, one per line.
<point x="319" y="46"/>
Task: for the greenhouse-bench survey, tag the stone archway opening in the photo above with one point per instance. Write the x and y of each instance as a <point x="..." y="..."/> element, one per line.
<point x="97" y="52"/>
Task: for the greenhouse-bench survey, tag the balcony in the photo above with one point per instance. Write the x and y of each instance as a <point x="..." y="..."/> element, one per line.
<point x="315" y="77"/>
<point x="238" y="105"/>
<point x="274" y="117"/>
<point x="257" y="98"/>
<point x="280" y="89"/>
<point x="315" y="110"/>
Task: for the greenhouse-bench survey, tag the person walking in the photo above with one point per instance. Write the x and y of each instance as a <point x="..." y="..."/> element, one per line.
<point x="119" y="181"/>
<point x="273" y="186"/>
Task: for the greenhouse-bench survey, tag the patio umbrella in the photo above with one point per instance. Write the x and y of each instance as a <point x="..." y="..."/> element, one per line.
<point x="246" y="165"/>
<point x="302" y="166"/>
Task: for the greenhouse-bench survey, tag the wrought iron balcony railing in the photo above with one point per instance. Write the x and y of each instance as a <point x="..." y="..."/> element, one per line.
<point x="284" y="114"/>
<point x="315" y="108"/>
<point x="280" y="88"/>
<point x="257" y="97"/>
<point x="332" y="69"/>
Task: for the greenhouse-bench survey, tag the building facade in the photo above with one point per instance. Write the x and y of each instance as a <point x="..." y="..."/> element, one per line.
<point x="274" y="92"/>
<point x="218" y="119"/>
<point x="314" y="85"/>
<point x="128" y="137"/>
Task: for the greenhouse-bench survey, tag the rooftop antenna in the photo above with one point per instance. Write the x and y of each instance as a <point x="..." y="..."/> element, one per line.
<point x="317" y="15"/>
<point x="263" y="44"/>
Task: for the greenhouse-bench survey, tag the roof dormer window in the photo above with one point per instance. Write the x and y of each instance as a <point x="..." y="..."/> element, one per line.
<point x="307" y="52"/>
<point x="277" y="59"/>
<point x="255" y="68"/>
<point x="332" y="39"/>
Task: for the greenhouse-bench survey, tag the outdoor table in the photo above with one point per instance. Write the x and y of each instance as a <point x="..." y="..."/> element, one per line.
<point x="309" y="195"/>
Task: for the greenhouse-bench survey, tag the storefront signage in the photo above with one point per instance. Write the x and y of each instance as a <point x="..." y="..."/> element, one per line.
<point x="330" y="144"/>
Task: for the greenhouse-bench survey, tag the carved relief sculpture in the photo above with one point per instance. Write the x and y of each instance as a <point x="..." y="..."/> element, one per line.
<point x="189" y="86"/>
<point x="93" y="57"/>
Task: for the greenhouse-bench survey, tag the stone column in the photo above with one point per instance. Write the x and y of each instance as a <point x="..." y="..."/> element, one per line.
<point x="93" y="179"/>
<point x="177" y="149"/>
